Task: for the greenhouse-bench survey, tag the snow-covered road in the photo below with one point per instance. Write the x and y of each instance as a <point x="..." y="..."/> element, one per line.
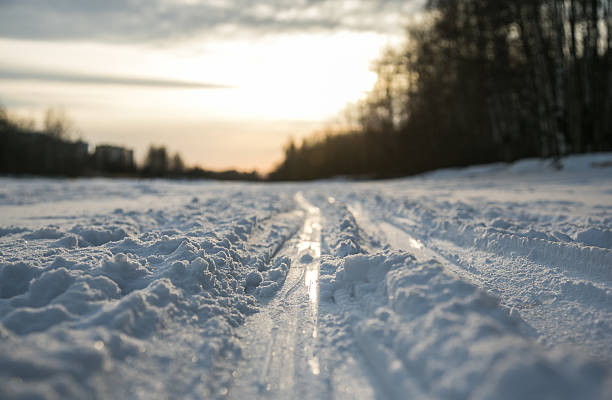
<point x="488" y="282"/>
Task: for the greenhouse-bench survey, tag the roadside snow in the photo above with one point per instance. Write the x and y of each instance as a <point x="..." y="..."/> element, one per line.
<point x="138" y="302"/>
<point x="487" y="282"/>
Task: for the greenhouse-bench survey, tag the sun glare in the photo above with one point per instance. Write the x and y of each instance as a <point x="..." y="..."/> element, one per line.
<point x="279" y="84"/>
<point x="283" y="77"/>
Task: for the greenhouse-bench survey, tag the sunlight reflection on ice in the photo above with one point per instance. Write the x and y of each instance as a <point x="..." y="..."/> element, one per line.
<point x="415" y="244"/>
<point x="311" y="280"/>
<point x="309" y="253"/>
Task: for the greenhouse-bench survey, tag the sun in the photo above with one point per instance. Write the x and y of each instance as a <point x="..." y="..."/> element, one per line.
<point x="298" y="76"/>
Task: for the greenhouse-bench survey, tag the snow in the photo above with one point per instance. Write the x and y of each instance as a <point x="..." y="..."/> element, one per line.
<point x="486" y="282"/>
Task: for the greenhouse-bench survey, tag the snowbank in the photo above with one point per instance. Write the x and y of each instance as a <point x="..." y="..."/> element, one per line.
<point x="573" y="163"/>
<point x="122" y="304"/>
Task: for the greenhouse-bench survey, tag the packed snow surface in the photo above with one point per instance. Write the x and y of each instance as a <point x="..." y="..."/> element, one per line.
<point x="490" y="282"/>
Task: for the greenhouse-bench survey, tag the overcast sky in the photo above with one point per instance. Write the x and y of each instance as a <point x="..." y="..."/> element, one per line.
<point x="225" y="82"/>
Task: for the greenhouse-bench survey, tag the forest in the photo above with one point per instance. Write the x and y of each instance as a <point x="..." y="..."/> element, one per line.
<point x="475" y="81"/>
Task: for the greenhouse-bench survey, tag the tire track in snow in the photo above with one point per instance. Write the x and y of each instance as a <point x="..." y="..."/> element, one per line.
<point x="557" y="307"/>
<point x="575" y="259"/>
<point x="265" y="230"/>
<point x="400" y="239"/>
<point x="280" y="357"/>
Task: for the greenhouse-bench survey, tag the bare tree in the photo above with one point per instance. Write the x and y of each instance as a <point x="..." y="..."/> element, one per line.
<point x="177" y="165"/>
<point x="58" y="124"/>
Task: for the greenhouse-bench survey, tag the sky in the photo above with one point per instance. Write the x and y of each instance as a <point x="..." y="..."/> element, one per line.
<point x="225" y="83"/>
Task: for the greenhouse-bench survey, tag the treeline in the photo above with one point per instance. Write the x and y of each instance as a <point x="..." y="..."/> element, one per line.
<point x="476" y="81"/>
<point x="159" y="163"/>
<point x="51" y="151"/>
<point x="26" y="150"/>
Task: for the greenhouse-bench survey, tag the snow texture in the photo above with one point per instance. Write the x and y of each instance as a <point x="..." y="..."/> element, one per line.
<point x="479" y="283"/>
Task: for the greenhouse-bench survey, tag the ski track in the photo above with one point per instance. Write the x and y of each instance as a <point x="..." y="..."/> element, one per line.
<point x="476" y="284"/>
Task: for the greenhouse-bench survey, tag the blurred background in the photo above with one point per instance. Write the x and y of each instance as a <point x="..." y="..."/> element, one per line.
<point x="293" y="90"/>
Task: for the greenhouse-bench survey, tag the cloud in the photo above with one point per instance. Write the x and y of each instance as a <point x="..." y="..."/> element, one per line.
<point x="159" y="20"/>
<point x="9" y="73"/>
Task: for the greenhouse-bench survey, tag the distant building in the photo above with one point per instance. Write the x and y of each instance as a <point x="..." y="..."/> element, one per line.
<point x="109" y="158"/>
<point x="81" y="149"/>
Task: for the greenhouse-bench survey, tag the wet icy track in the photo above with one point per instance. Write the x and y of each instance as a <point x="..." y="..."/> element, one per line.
<point x="492" y="282"/>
